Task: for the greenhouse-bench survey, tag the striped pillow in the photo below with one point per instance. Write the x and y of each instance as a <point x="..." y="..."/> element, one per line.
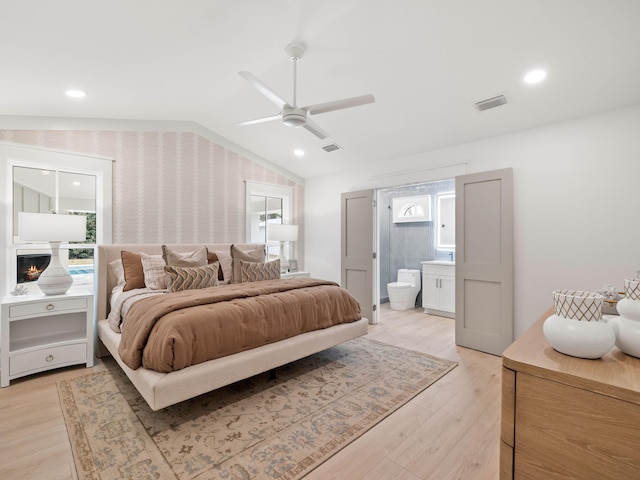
<point x="191" y="278"/>
<point x="257" y="271"/>
<point x="153" y="268"/>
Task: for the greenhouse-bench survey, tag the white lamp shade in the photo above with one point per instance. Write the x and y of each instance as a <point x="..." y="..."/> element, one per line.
<point x="48" y="227"/>
<point x="283" y="233"/>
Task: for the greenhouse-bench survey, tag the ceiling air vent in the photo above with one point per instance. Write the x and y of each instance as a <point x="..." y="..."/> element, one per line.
<point x="493" y="102"/>
<point x="332" y="147"/>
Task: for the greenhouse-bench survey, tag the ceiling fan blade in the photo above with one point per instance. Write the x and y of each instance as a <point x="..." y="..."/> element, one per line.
<point x="314" y="128"/>
<point x="262" y="88"/>
<point x="339" y="104"/>
<point x="261" y="120"/>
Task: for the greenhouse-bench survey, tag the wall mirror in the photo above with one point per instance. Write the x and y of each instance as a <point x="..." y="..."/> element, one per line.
<point x="446" y="212"/>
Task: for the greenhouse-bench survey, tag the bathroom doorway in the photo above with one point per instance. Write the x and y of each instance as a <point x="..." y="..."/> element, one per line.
<point x="409" y="230"/>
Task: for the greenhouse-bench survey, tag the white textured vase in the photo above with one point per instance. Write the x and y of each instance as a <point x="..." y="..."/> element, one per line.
<point x="577" y="328"/>
<point x="627" y="326"/>
<point x="55" y="280"/>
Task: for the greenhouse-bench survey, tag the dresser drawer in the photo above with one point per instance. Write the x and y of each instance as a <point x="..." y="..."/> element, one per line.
<point x="47" y="358"/>
<point x="52" y="306"/>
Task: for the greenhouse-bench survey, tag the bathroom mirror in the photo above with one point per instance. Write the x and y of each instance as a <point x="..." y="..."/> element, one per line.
<point x="446" y="212"/>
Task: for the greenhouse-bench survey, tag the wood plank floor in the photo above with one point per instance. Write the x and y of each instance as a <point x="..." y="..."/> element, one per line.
<point x="449" y="431"/>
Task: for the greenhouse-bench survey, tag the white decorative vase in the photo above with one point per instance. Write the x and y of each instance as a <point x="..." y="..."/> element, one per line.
<point x="55" y="280"/>
<point x="627" y="326"/>
<point x="577" y="328"/>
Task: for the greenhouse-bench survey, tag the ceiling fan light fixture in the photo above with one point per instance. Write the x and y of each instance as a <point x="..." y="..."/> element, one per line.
<point x="292" y="115"/>
<point x="296" y="117"/>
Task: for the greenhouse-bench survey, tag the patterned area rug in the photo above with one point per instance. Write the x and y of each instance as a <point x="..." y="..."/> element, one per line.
<point x="259" y="428"/>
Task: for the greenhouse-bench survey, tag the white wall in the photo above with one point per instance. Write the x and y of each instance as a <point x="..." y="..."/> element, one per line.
<point x="576" y="203"/>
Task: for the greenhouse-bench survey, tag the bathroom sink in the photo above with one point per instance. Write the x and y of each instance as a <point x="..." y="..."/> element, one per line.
<point x="439" y="262"/>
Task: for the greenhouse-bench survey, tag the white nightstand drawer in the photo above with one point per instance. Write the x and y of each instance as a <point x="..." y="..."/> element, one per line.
<point x="45" y="306"/>
<point x="47" y="358"/>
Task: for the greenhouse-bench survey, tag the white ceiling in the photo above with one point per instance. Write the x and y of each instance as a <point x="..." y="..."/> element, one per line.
<point x="426" y="62"/>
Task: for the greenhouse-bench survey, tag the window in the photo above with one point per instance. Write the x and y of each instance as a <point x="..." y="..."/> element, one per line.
<point x="412" y="209"/>
<point x="45" y="181"/>
<point x="266" y="205"/>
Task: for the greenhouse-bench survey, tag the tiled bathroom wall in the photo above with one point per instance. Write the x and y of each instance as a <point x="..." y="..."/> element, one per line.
<point x="405" y="245"/>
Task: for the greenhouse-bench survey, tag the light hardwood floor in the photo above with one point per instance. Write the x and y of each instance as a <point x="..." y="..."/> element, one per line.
<point x="449" y="431"/>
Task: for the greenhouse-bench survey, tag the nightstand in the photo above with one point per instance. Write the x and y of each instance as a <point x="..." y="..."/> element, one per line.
<point x="295" y="274"/>
<point x="42" y="332"/>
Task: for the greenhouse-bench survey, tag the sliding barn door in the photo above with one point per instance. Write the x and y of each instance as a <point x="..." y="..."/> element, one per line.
<point x="484" y="261"/>
<point x="357" y="264"/>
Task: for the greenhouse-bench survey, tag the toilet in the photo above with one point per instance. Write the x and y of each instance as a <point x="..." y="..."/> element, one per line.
<point x="403" y="293"/>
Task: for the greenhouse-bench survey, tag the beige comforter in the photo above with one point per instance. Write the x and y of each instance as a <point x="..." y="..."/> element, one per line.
<point x="176" y="330"/>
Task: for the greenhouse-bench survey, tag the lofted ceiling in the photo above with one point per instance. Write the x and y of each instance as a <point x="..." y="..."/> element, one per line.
<point x="426" y="62"/>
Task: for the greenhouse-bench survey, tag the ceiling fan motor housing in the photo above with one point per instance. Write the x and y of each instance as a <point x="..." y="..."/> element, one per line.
<point x="294" y="117"/>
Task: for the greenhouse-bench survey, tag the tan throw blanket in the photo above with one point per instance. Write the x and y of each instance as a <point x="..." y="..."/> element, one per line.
<point x="176" y="330"/>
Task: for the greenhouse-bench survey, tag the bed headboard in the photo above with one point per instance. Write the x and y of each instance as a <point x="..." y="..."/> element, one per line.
<point x="108" y="253"/>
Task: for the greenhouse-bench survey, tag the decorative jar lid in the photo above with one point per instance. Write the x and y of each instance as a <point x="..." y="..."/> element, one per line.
<point x="632" y="288"/>
<point x="578" y="305"/>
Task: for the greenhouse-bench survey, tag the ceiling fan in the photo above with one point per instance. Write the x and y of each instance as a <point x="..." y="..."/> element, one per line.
<point x="292" y="115"/>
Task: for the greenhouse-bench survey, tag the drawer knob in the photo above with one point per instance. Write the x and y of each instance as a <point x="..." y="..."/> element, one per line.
<point x="49" y="358"/>
<point x="50" y="306"/>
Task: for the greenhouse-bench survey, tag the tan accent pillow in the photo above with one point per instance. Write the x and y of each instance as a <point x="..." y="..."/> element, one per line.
<point x="133" y="272"/>
<point x="211" y="258"/>
<point x="256" y="255"/>
<point x="256" y="272"/>
<point x="153" y="267"/>
<point x="226" y="265"/>
<point x="197" y="258"/>
<point x="191" y="278"/>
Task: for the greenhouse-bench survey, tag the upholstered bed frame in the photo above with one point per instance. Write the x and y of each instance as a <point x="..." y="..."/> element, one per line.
<point x="163" y="389"/>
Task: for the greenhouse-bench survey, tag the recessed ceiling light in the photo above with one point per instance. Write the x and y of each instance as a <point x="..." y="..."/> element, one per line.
<point x="75" y="93"/>
<point x="77" y="184"/>
<point x="298" y="152"/>
<point x="535" y="76"/>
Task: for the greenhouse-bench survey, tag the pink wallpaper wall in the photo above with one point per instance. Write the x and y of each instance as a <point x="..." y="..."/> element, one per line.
<point x="171" y="187"/>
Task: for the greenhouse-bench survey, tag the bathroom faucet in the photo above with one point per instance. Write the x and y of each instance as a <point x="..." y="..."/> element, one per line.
<point x="451" y="256"/>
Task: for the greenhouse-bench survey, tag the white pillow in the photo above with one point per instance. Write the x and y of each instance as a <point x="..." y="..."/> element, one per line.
<point x="117" y="269"/>
<point x="154" y="276"/>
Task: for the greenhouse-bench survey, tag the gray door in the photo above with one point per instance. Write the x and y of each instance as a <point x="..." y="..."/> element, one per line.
<point x="484" y="261"/>
<point x="358" y="249"/>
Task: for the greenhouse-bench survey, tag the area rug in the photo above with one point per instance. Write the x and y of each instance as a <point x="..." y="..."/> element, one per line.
<point x="259" y="428"/>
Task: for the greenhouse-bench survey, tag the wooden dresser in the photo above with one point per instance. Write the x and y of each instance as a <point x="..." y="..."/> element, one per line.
<point x="566" y="417"/>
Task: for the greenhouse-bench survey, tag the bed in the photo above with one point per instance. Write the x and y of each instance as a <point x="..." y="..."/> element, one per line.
<point x="161" y="389"/>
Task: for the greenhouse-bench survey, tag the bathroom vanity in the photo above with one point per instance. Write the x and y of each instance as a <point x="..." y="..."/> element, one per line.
<point x="439" y="288"/>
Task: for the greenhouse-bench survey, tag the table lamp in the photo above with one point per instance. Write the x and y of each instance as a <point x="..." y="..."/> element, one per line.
<point x="283" y="233"/>
<point x="55" y="229"/>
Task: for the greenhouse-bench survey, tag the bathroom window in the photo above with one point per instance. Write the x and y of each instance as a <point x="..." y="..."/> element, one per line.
<point x="412" y="209"/>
